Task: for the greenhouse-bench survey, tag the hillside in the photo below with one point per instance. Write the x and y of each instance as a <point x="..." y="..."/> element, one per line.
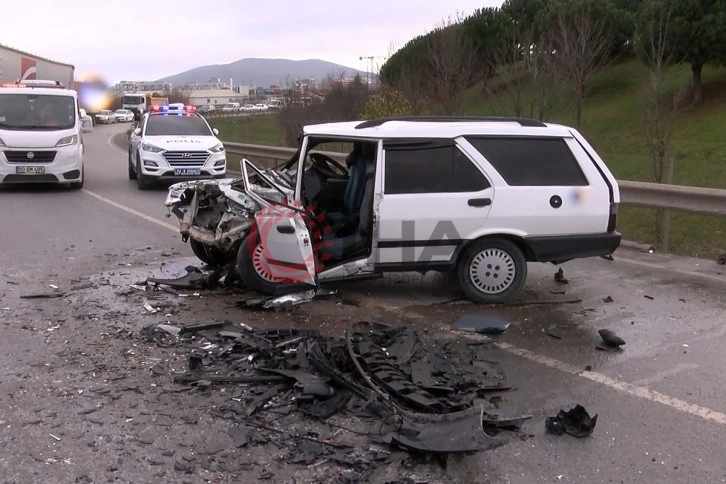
<point x="263" y="72"/>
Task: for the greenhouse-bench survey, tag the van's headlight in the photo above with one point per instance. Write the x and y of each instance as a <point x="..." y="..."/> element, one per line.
<point x="67" y="141"/>
<point x="151" y="148"/>
<point x="218" y="148"/>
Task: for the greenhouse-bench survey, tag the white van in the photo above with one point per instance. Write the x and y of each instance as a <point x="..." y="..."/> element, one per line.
<point x="40" y="134"/>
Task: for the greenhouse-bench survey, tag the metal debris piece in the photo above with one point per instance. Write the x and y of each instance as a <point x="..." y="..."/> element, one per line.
<point x="610" y="338"/>
<point x="560" y="277"/>
<point x="576" y="422"/>
<point x="608" y="299"/>
<point x="43" y="295"/>
<point x="480" y="323"/>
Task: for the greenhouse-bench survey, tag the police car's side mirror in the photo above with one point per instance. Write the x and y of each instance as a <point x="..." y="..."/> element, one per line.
<point x="137" y="131"/>
<point x="215" y="131"/>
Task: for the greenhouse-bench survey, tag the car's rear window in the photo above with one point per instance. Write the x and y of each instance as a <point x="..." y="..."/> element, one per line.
<point x="534" y="161"/>
<point x="161" y="125"/>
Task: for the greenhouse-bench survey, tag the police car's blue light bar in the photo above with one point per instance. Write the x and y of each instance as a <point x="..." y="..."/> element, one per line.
<point x="178" y="109"/>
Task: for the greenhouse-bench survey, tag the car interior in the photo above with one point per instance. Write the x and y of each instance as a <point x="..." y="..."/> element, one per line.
<point x="344" y="195"/>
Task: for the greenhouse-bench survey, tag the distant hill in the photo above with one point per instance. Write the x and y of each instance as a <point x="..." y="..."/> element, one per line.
<point x="262" y="72"/>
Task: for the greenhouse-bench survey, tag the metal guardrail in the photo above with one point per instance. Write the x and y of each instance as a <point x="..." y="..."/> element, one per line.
<point x="708" y="201"/>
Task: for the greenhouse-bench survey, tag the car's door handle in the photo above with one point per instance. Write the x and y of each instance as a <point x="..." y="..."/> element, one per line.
<point x="286" y="229"/>
<point x="480" y="202"/>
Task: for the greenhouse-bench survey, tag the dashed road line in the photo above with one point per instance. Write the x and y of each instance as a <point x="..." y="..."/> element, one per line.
<point x="621" y="386"/>
<point x="131" y="211"/>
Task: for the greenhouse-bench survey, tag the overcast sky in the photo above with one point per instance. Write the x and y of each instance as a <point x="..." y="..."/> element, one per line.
<point x="146" y="40"/>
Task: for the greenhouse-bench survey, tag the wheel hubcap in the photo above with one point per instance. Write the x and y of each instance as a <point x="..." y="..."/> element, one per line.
<point x="492" y="271"/>
<point x="262" y="267"/>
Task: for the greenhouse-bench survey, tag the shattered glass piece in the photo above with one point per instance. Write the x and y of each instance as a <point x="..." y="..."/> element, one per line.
<point x="480" y="323"/>
<point x="175" y="330"/>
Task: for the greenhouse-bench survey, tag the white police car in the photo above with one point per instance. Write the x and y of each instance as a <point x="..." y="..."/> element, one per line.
<point x="173" y="143"/>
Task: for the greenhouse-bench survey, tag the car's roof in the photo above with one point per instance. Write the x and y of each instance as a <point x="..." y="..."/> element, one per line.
<point x="437" y="127"/>
<point x="38" y="90"/>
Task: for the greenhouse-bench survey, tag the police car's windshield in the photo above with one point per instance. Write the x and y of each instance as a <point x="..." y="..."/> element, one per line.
<point x="173" y="125"/>
<point x="46" y="111"/>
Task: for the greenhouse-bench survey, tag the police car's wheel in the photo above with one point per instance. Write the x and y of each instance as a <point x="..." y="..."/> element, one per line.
<point x="253" y="269"/>
<point x="209" y="255"/>
<point x="132" y="173"/>
<point x="492" y="270"/>
<point x="142" y="182"/>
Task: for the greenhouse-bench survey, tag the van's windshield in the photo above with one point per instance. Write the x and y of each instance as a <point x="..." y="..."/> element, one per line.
<point x="36" y="111"/>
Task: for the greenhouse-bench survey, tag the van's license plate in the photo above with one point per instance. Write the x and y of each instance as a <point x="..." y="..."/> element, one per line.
<point x="30" y="170"/>
<point x="187" y="171"/>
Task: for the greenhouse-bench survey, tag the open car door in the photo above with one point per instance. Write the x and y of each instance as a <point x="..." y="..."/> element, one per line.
<point x="285" y="250"/>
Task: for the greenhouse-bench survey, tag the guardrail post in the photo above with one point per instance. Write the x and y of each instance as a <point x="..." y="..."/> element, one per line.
<point x="666" y="225"/>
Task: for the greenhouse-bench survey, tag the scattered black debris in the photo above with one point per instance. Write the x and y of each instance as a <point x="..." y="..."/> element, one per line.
<point x="428" y="398"/>
<point x="553" y="335"/>
<point x="648" y="297"/>
<point x="195" y="278"/>
<point x="608" y="257"/>
<point x="722" y="259"/>
<point x="608" y="299"/>
<point x="588" y="368"/>
<point x="610" y="338"/>
<point x="43" y="295"/>
<point x="576" y="422"/>
<point x="479" y="323"/>
<point x="560" y="277"/>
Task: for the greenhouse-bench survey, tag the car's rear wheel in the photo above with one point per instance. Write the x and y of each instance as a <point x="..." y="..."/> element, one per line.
<point x="209" y="255"/>
<point x="492" y="270"/>
<point x="254" y="270"/>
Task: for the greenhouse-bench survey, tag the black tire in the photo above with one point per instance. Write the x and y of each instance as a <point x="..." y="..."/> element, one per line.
<point x="250" y="276"/>
<point x="78" y="185"/>
<point x="209" y="255"/>
<point x="132" y="173"/>
<point x="492" y="270"/>
<point x="142" y="182"/>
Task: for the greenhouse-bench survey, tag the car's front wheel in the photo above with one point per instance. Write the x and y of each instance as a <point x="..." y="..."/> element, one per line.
<point x="142" y="181"/>
<point x="492" y="270"/>
<point x="209" y="255"/>
<point x="255" y="271"/>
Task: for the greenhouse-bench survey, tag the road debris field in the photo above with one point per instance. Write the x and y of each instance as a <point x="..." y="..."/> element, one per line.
<point x="115" y="371"/>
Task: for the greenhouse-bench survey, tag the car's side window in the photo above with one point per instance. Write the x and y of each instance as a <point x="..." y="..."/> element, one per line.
<point x="430" y="169"/>
<point x="533" y="161"/>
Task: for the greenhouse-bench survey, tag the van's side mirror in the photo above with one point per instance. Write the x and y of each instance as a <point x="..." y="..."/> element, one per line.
<point x="215" y="131"/>
<point x="137" y="131"/>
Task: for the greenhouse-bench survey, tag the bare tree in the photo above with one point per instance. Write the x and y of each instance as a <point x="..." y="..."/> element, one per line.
<point x="581" y="38"/>
<point x="662" y="107"/>
<point x="451" y="63"/>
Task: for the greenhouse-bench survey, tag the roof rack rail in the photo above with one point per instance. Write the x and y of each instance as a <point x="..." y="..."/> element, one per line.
<point x="372" y="123"/>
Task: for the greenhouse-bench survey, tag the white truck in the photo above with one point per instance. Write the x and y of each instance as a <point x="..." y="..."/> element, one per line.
<point x="134" y="102"/>
<point x="16" y="65"/>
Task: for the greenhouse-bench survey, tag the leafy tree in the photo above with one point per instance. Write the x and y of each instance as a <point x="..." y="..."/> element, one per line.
<point x="698" y="34"/>
<point x="387" y="103"/>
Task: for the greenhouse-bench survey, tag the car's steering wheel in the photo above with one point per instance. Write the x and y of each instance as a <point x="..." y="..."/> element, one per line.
<point x="328" y="167"/>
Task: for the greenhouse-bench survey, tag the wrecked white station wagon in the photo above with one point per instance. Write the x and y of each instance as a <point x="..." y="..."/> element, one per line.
<point x="478" y="196"/>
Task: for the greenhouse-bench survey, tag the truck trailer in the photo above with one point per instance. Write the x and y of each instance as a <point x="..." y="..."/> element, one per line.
<point x="17" y="65"/>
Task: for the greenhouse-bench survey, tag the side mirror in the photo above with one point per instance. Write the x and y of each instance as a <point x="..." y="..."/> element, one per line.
<point x="137" y="131"/>
<point x="215" y="131"/>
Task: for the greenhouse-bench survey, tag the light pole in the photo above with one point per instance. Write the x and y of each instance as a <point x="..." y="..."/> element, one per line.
<point x="370" y="62"/>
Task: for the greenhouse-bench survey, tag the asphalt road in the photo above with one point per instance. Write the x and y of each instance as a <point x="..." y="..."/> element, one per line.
<point x="661" y="402"/>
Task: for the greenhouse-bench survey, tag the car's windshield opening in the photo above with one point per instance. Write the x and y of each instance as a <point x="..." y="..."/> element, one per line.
<point x="174" y="125"/>
<point x="19" y="111"/>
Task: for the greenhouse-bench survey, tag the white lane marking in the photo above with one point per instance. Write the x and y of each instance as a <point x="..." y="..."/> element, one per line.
<point x="131" y="211"/>
<point x="630" y="389"/>
<point x="113" y="145"/>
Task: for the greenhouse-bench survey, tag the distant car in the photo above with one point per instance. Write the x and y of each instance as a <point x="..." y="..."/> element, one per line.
<point x="176" y="145"/>
<point x="123" y="116"/>
<point x="261" y="107"/>
<point x="248" y="108"/>
<point x="106" y="117"/>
